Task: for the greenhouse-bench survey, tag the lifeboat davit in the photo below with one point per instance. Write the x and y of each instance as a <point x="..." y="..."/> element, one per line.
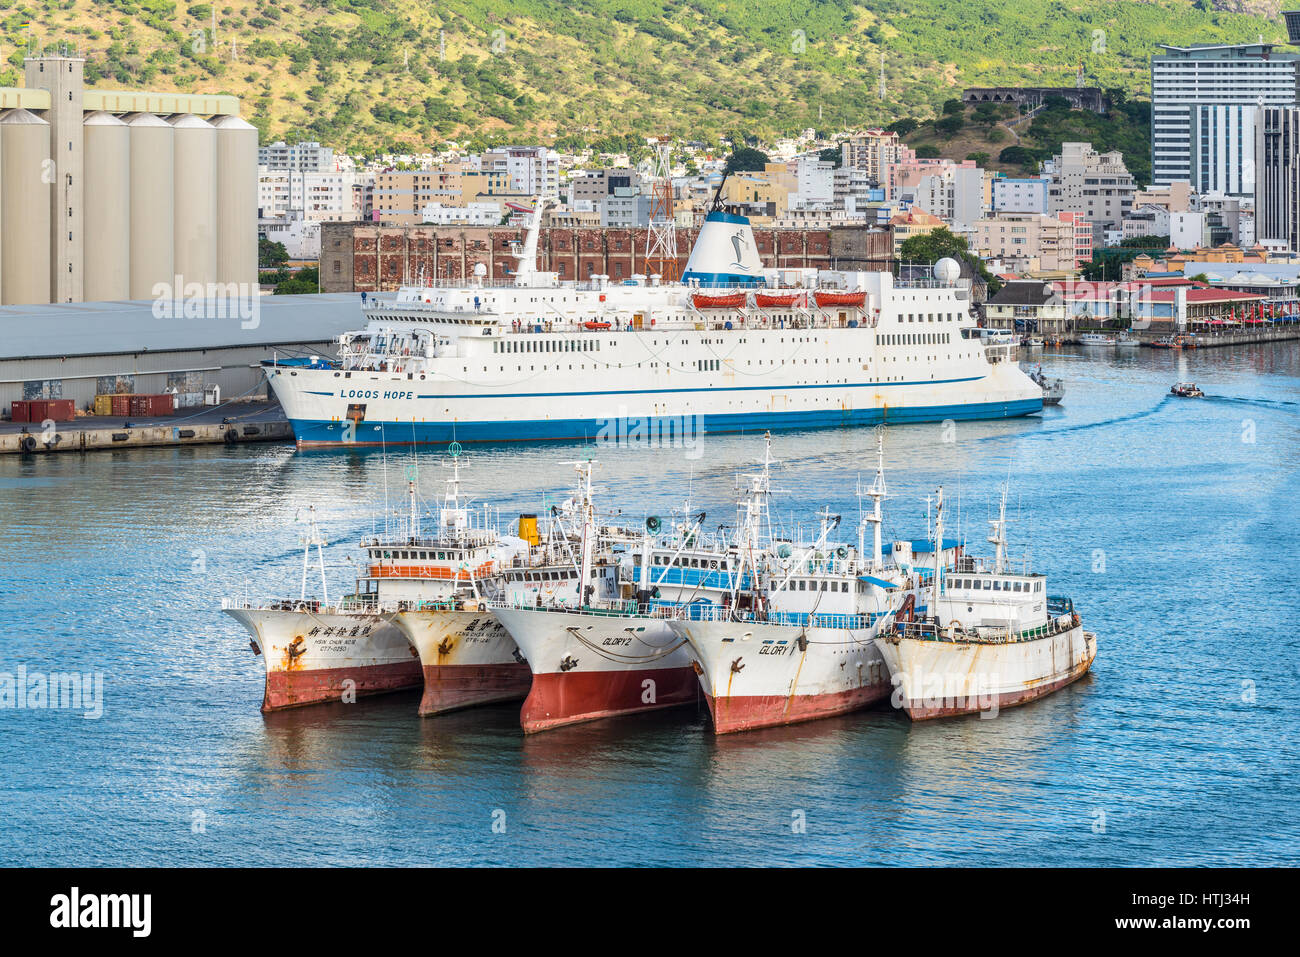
<point x="776" y="298"/>
<point x="731" y="300"/>
<point x="841" y="299"/>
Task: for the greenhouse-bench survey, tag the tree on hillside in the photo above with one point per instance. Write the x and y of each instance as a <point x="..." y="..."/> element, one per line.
<point x="949" y="126"/>
<point x="744" y="159"/>
<point x="927" y="151"/>
<point x="904" y="126"/>
<point x="953" y="108"/>
<point x="833" y="155"/>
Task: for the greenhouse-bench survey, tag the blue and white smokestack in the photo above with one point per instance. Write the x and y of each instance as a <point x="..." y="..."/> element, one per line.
<point x="724" y="253"/>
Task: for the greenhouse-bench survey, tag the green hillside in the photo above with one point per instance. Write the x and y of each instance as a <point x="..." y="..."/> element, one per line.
<point x="401" y="73"/>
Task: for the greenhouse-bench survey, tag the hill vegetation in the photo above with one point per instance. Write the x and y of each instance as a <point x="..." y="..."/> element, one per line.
<point x="1001" y="137"/>
<point x="410" y="74"/>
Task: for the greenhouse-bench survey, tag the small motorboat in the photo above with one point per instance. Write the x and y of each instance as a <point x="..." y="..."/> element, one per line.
<point x="1053" y="389"/>
<point x="1186" y="390"/>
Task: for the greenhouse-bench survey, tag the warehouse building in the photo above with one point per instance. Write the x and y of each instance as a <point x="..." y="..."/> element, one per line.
<point x="80" y="350"/>
<point x="128" y="189"/>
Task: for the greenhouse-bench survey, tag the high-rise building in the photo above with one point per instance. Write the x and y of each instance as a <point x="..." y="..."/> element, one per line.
<point x="873" y="151"/>
<point x="1204" y="102"/>
<point x="1277" y="177"/>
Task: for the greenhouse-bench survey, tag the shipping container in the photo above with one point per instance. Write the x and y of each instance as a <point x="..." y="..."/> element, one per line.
<point x="145" y="405"/>
<point x="20" y="411"/>
<point x="59" y="410"/>
<point x="122" y="405"/>
<point x="103" y="405"/>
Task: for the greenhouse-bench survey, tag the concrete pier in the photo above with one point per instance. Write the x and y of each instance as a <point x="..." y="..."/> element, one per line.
<point x="246" y="422"/>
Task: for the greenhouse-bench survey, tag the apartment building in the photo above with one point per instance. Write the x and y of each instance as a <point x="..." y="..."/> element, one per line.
<point x="304" y="157"/>
<point x="1033" y="242"/>
<point x="1277" y="184"/>
<point x="873" y="152"/>
<point x="1096" y="185"/>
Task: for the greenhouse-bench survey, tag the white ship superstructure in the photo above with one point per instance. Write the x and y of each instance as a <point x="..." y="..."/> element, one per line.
<point x="737" y="345"/>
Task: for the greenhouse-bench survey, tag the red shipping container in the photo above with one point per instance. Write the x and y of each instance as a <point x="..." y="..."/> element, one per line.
<point x="60" y="410"/>
<point x="164" y="404"/>
<point x="20" y="411"/>
<point x="122" y="405"/>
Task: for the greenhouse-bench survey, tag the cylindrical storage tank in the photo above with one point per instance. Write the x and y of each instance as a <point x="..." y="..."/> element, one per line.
<point x="25" y="208"/>
<point x="236" y="201"/>
<point x="194" y="211"/>
<point x="107" y="245"/>
<point x="151" y="199"/>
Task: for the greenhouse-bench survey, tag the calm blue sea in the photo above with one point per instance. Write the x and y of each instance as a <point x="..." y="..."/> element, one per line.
<point x="1173" y="524"/>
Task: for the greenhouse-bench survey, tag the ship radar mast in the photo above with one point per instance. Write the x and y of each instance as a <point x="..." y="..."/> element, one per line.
<point x="998" y="536"/>
<point x="876" y="493"/>
<point x="313" y="537"/>
<point x="938" y="559"/>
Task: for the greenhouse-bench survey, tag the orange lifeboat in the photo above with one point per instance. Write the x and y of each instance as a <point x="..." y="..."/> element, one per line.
<point x="731" y="300"/>
<point x="595" y="325"/>
<point x="777" y="298"/>
<point x="857" y="299"/>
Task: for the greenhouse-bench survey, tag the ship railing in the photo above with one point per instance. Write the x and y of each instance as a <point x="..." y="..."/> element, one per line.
<point x="699" y="611"/>
<point x="984" y="634"/>
<point x="348" y="605"/>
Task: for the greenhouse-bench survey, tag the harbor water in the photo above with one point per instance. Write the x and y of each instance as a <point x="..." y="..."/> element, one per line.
<point x="1171" y="522"/>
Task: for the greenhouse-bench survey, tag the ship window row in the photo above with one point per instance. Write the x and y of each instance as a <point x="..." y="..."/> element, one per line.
<point x="548" y="345"/>
<point x="553" y="576"/>
<point x="421" y="554"/>
<point x="995" y="584"/>
<point x="802" y="584"/>
<point x="931" y="317"/>
<point x="916" y="338"/>
<point x="683" y="562"/>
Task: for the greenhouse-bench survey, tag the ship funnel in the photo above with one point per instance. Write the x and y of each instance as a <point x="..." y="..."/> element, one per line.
<point x="528" y="529"/>
<point x="724" y="253"/>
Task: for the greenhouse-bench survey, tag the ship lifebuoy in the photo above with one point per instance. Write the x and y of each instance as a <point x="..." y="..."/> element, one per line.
<point x="482" y="606"/>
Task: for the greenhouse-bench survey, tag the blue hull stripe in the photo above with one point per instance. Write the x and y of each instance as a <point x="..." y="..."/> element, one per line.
<point x="318" y="432"/>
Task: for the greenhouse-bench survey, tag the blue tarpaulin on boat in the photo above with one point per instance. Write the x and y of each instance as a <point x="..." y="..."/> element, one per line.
<point x="921" y="546"/>
<point x="878" y="582"/>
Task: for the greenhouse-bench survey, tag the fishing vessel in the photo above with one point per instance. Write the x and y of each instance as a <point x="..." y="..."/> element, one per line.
<point x="592" y="639"/>
<point x="1186" y="390"/>
<point x="795" y="641"/>
<point x="734" y="346"/>
<point x="316" y="650"/>
<point x="990" y="638"/>
<point x="467" y="657"/>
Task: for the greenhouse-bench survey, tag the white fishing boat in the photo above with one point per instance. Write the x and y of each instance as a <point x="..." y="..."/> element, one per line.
<point x="990" y="637"/>
<point x="795" y="641"/>
<point x="318" y="650"/>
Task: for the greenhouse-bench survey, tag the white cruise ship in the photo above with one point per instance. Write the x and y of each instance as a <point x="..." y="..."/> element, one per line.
<point x="733" y="347"/>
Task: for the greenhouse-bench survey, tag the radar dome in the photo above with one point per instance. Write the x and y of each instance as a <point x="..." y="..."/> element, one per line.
<point x="947" y="269"/>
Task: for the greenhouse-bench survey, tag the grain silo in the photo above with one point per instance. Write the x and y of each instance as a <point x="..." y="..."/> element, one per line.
<point x="107" y="242"/>
<point x="236" y="200"/>
<point x="194" y="212"/>
<point x="151" y="199"/>
<point x="25" y="208"/>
